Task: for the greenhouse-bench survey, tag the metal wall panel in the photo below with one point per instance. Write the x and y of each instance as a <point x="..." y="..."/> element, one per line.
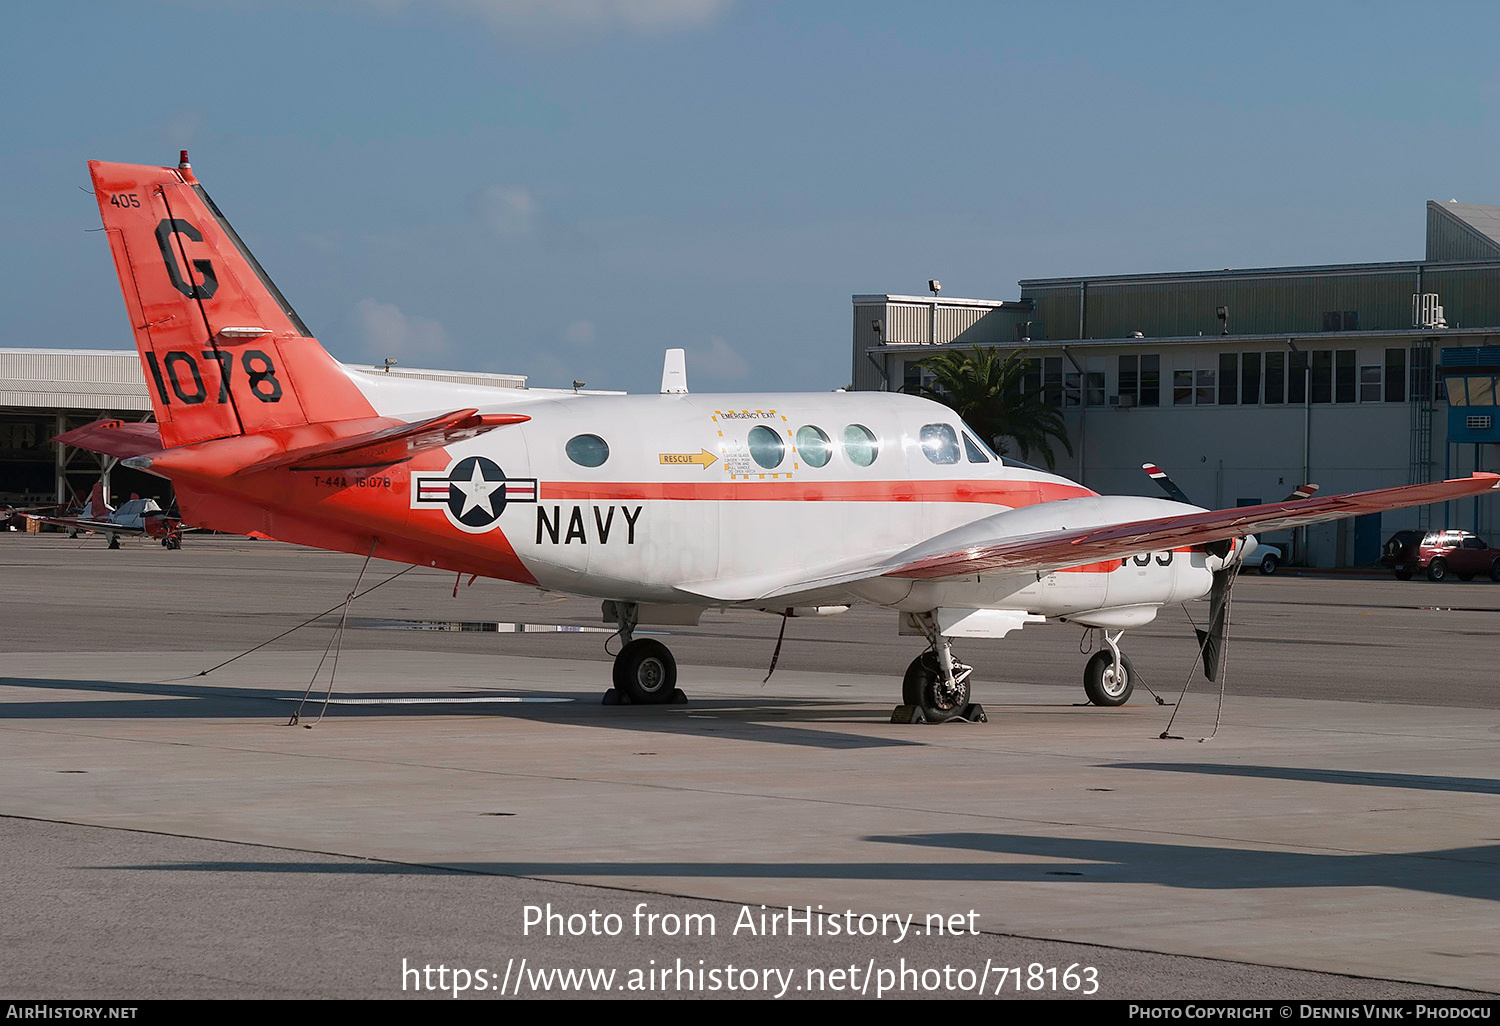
<point x="906" y="322"/>
<point x="1056" y="315"/>
<point x="1449" y="240"/>
<point x="1470" y="297"/>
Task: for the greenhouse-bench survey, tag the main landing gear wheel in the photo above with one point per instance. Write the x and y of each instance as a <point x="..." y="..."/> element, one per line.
<point x="924" y="687"/>
<point x="1104" y="684"/>
<point x="645" y="672"/>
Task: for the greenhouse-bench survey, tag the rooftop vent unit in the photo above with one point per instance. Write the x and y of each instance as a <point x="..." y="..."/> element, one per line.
<point x="1425" y="311"/>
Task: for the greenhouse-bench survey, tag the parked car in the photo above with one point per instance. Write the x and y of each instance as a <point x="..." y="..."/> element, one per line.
<point x="1265" y="558"/>
<point x="1440" y="553"/>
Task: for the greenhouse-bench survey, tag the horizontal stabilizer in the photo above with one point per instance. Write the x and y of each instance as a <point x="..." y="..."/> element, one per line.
<point x="391" y="445"/>
<point x="118" y="438"/>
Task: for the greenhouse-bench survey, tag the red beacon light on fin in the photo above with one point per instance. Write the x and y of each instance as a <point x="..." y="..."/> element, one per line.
<point x="182" y="159"/>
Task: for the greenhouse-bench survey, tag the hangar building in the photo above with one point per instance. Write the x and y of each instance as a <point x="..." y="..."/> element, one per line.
<point x="1244" y="383"/>
<point x="44" y="392"/>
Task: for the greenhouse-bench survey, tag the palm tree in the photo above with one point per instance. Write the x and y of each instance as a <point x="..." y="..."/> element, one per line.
<point x="990" y="394"/>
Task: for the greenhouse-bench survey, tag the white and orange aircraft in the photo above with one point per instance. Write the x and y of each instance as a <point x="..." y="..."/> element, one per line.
<point x="662" y="505"/>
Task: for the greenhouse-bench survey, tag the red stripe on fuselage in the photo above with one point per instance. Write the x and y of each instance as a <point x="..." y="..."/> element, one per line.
<point x="1012" y="494"/>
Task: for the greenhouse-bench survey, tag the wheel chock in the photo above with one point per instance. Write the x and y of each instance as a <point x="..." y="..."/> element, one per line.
<point x="613" y="697"/>
<point x="972" y="713"/>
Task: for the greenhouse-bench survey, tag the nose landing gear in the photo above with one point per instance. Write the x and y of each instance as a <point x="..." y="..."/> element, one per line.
<point x="1108" y="677"/>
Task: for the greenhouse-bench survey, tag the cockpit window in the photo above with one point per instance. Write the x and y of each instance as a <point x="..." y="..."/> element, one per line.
<point x="940" y="443"/>
<point x="587" y="450"/>
<point x="974" y="449"/>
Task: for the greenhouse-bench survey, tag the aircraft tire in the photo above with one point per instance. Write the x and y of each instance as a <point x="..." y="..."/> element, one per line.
<point x="645" y="672"/>
<point x="1099" y="679"/>
<point x="920" y="688"/>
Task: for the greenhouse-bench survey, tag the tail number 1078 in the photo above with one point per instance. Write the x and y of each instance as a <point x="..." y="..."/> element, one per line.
<point x="179" y="369"/>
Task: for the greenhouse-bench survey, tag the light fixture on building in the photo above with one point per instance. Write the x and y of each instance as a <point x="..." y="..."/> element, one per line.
<point x="1223" y="314"/>
<point x="934" y="286"/>
<point x="389" y="363"/>
<point x="875" y="327"/>
<point x="578" y="384"/>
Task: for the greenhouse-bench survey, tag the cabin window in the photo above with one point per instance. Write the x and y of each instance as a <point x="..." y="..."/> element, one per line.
<point x="860" y="445"/>
<point x="815" y="447"/>
<point x="939" y="443"/>
<point x="766" y="447"/>
<point x="587" y="450"/>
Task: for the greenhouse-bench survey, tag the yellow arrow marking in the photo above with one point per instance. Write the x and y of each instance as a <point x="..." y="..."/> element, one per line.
<point x="703" y="458"/>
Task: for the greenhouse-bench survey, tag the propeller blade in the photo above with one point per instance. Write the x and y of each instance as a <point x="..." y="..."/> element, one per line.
<point x="1169" y="486"/>
<point x="1211" y="641"/>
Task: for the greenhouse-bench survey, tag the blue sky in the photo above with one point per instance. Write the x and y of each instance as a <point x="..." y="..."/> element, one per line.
<point x="566" y="188"/>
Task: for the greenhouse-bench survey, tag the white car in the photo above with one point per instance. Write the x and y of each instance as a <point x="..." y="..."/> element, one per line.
<point x="1266" y="557"/>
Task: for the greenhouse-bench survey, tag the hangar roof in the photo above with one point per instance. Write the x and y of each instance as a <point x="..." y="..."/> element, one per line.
<point x="73" y="379"/>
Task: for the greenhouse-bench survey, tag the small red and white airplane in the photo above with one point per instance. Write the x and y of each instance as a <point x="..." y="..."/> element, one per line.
<point x="662" y="505"/>
<point x="134" y="516"/>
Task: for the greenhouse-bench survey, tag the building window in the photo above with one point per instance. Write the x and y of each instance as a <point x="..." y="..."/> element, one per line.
<point x="1052" y="381"/>
<point x="1182" y="387"/>
<point x="1204" y="393"/>
<point x="1150" y="380"/>
<point x="1093" y="381"/>
<point x="1369" y="383"/>
<point x="1345" y="376"/>
<point x="1229" y="379"/>
<point x="1322" y="376"/>
<point x="1250" y="379"/>
<point x="1395" y="375"/>
<point x="1275" y="379"/>
<point x="1296" y="379"/>
<point x="1130" y="380"/>
<point x="1031" y="380"/>
<point x="1072" y="387"/>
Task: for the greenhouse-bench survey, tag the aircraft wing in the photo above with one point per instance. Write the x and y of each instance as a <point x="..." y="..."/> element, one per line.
<point x="981" y="547"/>
<point x="85" y="524"/>
<point x="1061" y="549"/>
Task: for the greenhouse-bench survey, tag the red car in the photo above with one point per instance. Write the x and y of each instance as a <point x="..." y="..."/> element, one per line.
<point x="1440" y="553"/>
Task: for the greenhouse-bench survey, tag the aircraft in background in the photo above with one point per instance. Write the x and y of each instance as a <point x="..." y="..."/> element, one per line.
<point x="662" y="505"/>
<point x="135" y="516"/>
